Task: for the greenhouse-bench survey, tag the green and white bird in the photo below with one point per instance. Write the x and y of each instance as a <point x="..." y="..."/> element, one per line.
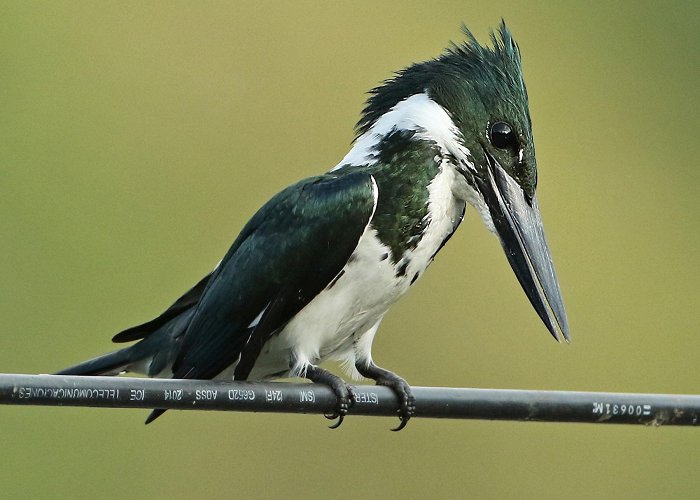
<point x="314" y="271"/>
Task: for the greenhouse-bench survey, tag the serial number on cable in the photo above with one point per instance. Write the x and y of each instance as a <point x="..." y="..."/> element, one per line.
<point x="604" y="408"/>
<point x="241" y="394"/>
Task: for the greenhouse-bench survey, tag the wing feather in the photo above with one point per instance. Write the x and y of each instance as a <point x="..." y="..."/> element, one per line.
<point x="187" y="301"/>
<point x="287" y="254"/>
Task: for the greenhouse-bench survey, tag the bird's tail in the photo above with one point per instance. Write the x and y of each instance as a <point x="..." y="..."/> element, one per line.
<point x="157" y="346"/>
<point x="152" y="356"/>
<point x="112" y="363"/>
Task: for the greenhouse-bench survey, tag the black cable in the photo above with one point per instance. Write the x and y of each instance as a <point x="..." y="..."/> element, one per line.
<point x="281" y="397"/>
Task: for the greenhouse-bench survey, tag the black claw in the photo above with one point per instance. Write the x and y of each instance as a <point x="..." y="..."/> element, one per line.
<point x="337" y="424"/>
<point x="343" y="391"/>
<point x="403" y="423"/>
<point x="407" y="403"/>
<point x="407" y="406"/>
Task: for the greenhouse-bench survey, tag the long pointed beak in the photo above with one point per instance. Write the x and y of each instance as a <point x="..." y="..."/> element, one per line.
<point x="519" y="226"/>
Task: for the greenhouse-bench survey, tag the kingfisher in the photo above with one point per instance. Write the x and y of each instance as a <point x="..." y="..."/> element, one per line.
<point x="312" y="274"/>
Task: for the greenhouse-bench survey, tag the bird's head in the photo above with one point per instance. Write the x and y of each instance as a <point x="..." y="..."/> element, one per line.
<point x="472" y="102"/>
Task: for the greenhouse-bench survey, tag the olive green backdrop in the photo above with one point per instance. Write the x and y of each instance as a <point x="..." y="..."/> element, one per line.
<point x="136" y="138"/>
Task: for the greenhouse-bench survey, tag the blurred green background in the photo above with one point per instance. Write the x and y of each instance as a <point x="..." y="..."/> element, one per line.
<point x="137" y="138"/>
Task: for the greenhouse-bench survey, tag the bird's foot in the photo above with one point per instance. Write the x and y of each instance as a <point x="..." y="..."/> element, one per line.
<point x="407" y="403"/>
<point x="343" y="391"/>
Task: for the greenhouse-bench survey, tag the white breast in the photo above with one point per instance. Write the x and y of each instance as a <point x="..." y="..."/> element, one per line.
<point x="332" y="325"/>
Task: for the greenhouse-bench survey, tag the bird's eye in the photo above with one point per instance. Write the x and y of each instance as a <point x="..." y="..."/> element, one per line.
<point x="502" y="135"/>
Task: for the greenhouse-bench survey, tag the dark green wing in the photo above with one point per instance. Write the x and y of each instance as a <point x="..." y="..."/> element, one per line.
<point x="187" y="301"/>
<point x="288" y="253"/>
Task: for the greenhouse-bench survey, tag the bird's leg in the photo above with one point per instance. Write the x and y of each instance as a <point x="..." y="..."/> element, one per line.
<point x="407" y="403"/>
<point x="343" y="391"/>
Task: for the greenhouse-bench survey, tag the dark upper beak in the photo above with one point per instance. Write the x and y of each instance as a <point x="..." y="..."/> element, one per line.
<point x="519" y="227"/>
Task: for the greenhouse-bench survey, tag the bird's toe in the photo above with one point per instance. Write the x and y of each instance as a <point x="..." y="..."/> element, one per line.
<point x="346" y="399"/>
<point x="407" y="403"/>
<point x="344" y="392"/>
